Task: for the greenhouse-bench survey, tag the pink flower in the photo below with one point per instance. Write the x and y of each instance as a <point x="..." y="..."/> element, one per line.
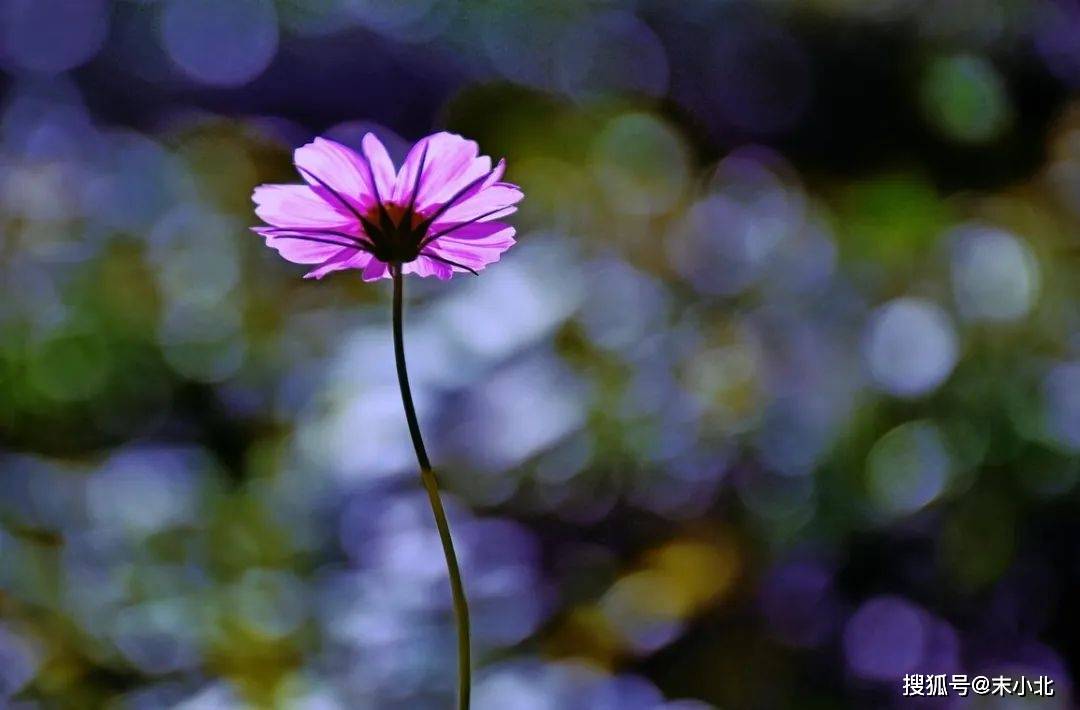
<point x="436" y="215"/>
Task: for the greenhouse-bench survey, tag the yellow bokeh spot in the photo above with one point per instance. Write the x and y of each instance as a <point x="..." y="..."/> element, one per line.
<point x="585" y="634"/>
<point x="697" y="573"/>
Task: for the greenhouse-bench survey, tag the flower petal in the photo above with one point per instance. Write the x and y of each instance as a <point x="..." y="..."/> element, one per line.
<point x="376" y="269"/>
<point x="475" y="233"/>
<point x="471" y="255"/>
<point x="405" y="182"/>
<point x="423" y="266"/>
<point x="495" y="201"/>
<point x="298" y="248"/>
<point x="474" y="245"/>
<point x="452" y="162"/>
<point x="381" y="167"/>
<point x="346" y="259"/>
<point x="296" y="206"/>
<point x="327" y="164"/>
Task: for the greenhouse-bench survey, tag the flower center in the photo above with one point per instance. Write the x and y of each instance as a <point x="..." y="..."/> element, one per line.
<point x="396" y="233"/>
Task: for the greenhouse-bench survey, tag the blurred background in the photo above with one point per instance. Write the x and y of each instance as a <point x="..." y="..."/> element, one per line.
<point x="776" y="401"/>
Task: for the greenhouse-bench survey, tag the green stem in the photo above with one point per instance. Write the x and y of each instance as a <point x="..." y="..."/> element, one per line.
<point x="461" y="606"/>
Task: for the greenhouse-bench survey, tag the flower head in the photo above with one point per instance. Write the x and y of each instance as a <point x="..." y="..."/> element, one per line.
<point x="438" y="214"/>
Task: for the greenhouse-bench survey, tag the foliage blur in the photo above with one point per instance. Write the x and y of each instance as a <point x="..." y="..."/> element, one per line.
<point x="777" y="399"/>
